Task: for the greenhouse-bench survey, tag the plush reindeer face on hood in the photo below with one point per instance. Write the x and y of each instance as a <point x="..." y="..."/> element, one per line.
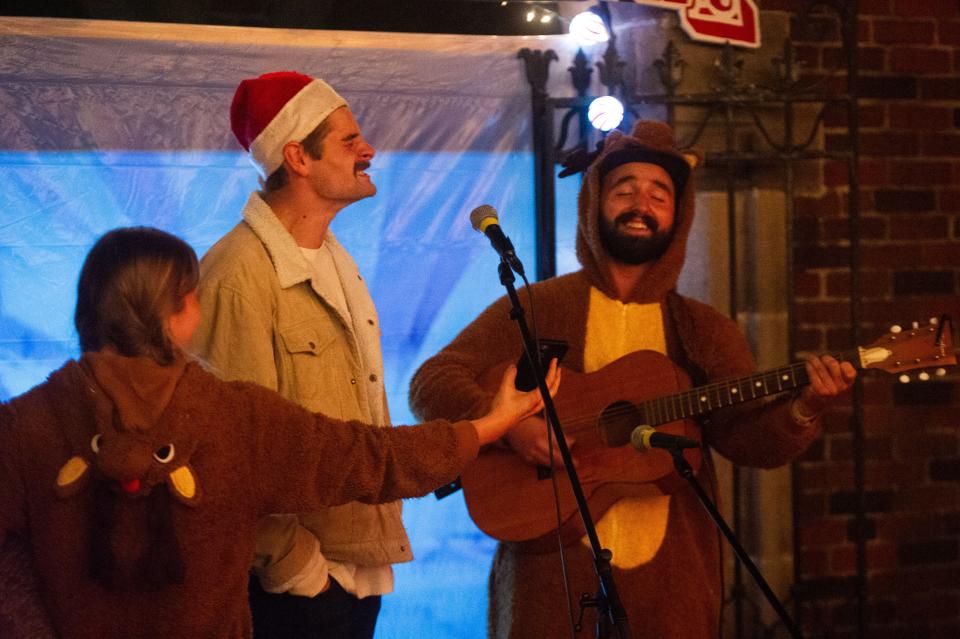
<point x="649" y="149"/>
<point x="134" y="448"/>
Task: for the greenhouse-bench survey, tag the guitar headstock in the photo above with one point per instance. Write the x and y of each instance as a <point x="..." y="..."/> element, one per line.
<point x="902" y="350"/>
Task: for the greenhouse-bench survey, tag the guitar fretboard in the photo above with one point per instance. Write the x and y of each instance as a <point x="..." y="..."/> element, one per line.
<point x="703" y="399"/>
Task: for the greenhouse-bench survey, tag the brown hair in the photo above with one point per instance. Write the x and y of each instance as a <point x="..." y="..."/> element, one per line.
<point x="132" y="280"/>
<point x="312" y="144"/>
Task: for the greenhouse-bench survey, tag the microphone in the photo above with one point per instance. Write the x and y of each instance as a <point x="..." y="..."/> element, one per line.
<point x="484" y="219"/>
<point x="645" y="438"/>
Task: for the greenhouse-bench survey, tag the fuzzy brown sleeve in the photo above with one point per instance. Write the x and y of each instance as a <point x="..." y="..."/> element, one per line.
<point x="301" y="461"/>
<point x="22" y="614"/>
<point x="446" y="385"/>
<point x="760" y="434"/>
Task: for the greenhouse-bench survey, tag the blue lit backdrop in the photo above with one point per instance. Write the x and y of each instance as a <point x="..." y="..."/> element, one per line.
<point x="113" y="125"/>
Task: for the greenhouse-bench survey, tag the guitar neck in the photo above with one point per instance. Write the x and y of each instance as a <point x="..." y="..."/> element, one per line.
<point x="703" y="399"/>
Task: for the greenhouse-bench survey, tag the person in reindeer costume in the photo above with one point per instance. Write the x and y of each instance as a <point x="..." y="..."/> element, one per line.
<point x="137" y="478"/>
<point x="636" y="208"/>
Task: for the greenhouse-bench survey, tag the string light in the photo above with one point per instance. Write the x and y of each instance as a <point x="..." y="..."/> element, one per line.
<point x="537" y="13"/>
<point x="605" y="113"/>
<point x="588" y="28"/>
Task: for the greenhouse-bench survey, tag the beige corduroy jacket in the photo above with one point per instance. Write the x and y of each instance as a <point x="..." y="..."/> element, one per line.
<point x="266" y="321"/>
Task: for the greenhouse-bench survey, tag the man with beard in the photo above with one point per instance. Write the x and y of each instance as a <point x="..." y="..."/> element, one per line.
<point x="636" y="208"/>
<point x="285" y="306"/>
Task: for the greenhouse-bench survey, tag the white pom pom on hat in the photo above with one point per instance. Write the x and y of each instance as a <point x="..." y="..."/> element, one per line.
<point x="269" y="111"/>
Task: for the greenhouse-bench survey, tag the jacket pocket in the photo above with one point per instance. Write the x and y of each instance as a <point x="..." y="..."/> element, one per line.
<point x="312" y="367"/>
<point x="305" y="340"/>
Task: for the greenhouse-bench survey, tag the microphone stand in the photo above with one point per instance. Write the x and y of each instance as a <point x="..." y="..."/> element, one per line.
<point x="610" y="609"/>
<point x="686" y="471"/>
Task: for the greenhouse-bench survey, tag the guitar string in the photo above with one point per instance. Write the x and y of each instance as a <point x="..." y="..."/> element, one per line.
<point x="797" y="373"/>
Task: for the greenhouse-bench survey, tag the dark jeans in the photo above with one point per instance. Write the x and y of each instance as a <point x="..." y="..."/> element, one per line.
<point x="334" y="614"/>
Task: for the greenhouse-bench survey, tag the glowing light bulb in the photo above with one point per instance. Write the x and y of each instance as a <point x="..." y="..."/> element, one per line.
<point x="530" y="16"/>
<point x="605" y="113"/>
<point x="588" y="28"/>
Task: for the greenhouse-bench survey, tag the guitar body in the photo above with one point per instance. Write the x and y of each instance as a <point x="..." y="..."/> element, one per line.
<point x="511" y="500"/>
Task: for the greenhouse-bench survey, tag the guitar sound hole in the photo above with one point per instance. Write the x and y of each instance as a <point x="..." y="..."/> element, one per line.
<point x="616" y="423"/>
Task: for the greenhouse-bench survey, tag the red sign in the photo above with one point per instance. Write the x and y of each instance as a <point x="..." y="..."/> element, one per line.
<point x="733" y="21"/>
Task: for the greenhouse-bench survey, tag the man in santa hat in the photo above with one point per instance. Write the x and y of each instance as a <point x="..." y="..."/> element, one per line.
<point x="284" y="305"/>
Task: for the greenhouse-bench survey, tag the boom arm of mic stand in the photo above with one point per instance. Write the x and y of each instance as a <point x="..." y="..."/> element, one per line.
<point x="686" y="471"/>
<point x="601" y="556"/>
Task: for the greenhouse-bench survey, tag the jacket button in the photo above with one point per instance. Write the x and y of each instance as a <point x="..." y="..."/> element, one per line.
<point x="353" y="380"/>
<point x="373" y="377"/>
<point x="311" y="345"/>
<point x="370" y="322"/>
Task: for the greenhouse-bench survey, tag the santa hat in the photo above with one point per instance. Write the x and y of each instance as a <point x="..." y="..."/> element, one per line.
<point x="276" y="108"/>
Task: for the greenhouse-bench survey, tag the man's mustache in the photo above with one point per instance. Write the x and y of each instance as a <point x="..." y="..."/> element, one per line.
<point x="624" y="218"/>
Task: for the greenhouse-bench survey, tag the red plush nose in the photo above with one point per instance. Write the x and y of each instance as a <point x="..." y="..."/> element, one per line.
<point x="131" y="485"/>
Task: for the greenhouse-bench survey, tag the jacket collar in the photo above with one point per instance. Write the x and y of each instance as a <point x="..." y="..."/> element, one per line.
<point x="292" y="268"/>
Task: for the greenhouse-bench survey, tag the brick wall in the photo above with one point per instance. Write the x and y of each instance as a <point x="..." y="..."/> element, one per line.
<point x="909" y="172"/>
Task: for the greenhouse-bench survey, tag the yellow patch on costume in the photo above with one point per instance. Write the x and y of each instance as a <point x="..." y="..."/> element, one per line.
<point x="633" y="529"/>
<point x="184" y="483"/>
<point x="73" y="470"/>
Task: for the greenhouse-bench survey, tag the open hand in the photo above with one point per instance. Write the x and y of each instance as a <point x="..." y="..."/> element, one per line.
<point x="511" y="406"/>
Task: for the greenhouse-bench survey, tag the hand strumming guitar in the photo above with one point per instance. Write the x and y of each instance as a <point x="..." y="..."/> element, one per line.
<point x="529" y="440"/>
<point x="510" y="406"/>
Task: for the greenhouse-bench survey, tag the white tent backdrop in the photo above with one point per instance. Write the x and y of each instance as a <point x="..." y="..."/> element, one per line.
<point x="106" y="124"/>
<point x="112" y="124"/>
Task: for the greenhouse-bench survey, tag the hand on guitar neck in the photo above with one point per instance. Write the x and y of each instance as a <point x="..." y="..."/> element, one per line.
<point x="829" y="378"/>
<point x="510" y="406"/>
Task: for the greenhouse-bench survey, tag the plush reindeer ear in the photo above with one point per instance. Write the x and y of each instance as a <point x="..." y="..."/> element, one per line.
<point x="184" y="486"/>
<point x="72" y="476"/>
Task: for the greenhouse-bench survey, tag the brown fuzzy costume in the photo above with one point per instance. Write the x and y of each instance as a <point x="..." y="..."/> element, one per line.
<point x="186" y="464"/>
<point x="677" y="593"/>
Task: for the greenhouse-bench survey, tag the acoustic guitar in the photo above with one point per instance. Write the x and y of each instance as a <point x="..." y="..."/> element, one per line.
<point x="512" y="500"/>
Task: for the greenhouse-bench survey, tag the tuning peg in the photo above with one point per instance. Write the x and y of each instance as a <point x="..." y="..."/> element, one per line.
<point x="924" y="376"/>
<point x="934" y="321"/>
<point x="916" y="325"/>
<point x="904" y="379"/>
<point x="940" y="372"/>
<point x="895" y="328"/>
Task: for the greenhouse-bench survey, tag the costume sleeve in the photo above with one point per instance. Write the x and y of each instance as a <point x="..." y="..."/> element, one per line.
<point x="447" y="385"/>
<point x="761" y="433"/>
<point x="303" y="461"/>
<point x="22" y="614"/>
<point x="235" y="336"/>
<point x="12" y="493"/>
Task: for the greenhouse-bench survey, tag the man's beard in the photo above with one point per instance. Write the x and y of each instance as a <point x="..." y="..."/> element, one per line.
<point x="630" y="249"/>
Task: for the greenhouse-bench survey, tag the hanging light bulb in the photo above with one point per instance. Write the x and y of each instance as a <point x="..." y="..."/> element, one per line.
<point x="588" y="28"/>
<point x="605" y="113"/>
